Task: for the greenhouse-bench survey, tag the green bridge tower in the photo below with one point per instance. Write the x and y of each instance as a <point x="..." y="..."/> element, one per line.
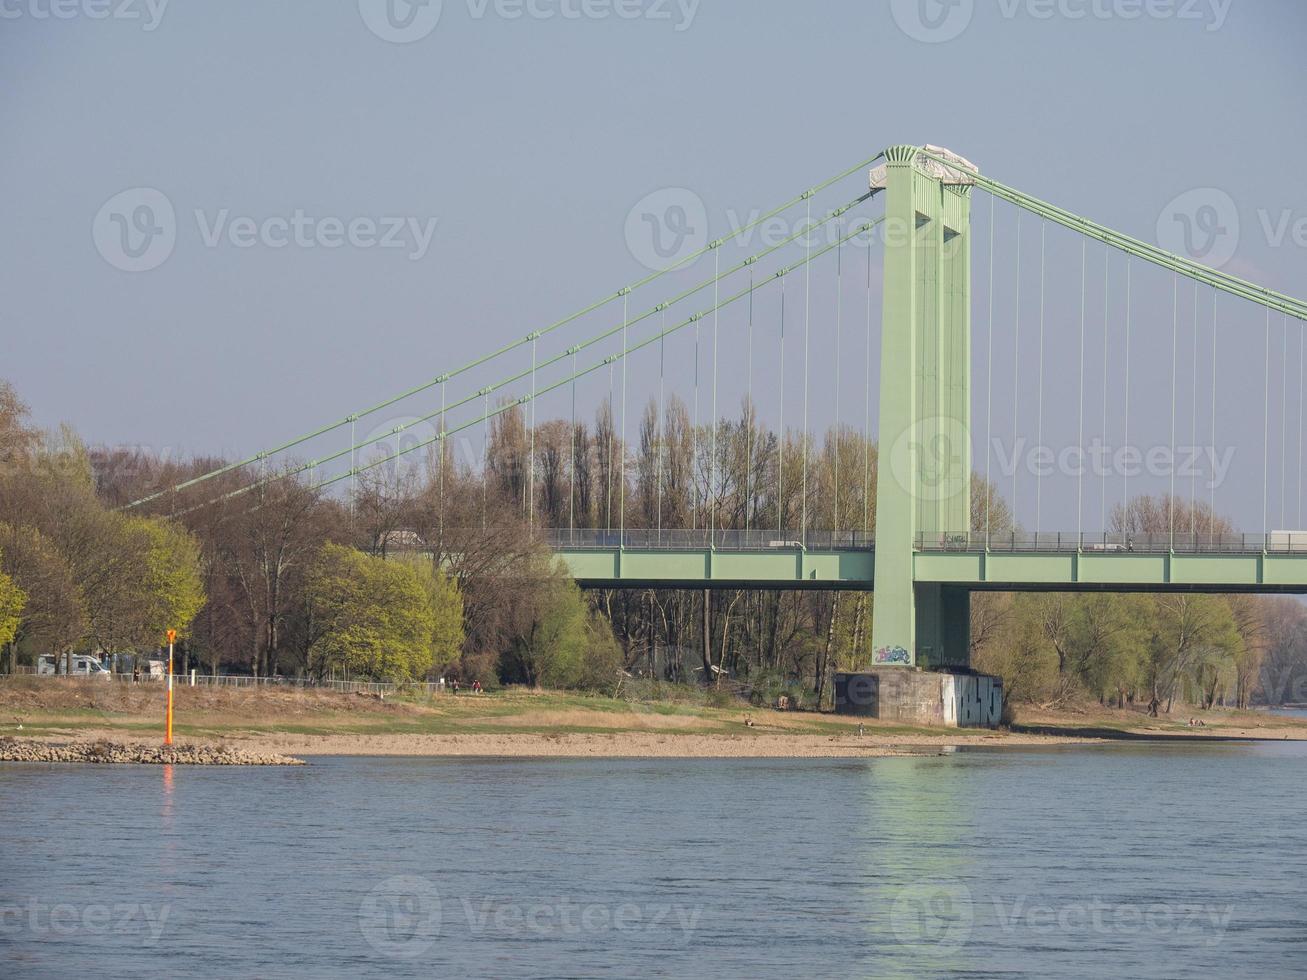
<point x="923" y="484"/>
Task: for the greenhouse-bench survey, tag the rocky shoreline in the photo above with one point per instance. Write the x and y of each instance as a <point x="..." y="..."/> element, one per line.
<point x="104" y="751"/>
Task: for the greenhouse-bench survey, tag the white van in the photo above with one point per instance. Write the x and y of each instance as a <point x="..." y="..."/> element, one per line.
<point x="84" y="665"/>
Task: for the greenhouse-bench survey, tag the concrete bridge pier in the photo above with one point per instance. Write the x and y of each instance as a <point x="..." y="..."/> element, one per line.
<point x="943" y="625"/>
<point x="923" y="483"/>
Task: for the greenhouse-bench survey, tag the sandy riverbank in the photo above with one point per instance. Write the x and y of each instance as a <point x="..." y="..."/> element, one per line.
<point x="549" y="724"/>
<point x="666" y="745"/>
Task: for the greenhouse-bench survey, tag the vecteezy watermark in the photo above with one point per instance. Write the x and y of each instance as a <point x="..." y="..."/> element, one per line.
<point x="933" y="914"/>
<point x="148" y="12"/>
<point x="136" y="230"/>
<point x="564" y="916"/>
<point x="1099" y="459"/>
<point x="1192" y="921"/>
<point x="1283" y="685"/>
<point x="41" y="919"/>
<point x="666" y="227"/>
<point x="929" y="459"/>
<point x="944" y="915"/>
<point x="1204" y="225"/>
<point x="937" y="21"/>
<point x="406" y="21"/>
<point x="397" y="450"/>
<point x="401" y="918"/>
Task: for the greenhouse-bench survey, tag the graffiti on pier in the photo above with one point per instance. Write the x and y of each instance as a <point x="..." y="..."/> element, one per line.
<point x="892" y="655"/>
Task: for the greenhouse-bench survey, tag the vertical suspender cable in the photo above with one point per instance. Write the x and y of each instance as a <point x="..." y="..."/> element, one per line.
<point x="780" y="446"/>
<point x="839" y="319"/>
<point x="712" y="462"/>
<point x="353" y="466"/>
<point x="807" y="329"/>
<point x="1284" y="409"/>
<point x="485" y="458"/>
<point x="866" y="410"/>
<point x="989" y="377"/>
<point x="1211" y="519"/>
<point x="1266" y="431"/>
<point x="621" y="443"/>
<point x="1175" y="333"/>
<point x="1080" y="488"/>
<point x="1016" y="369"/>
<point x="608" y="491"/>
<point x="1300" y="386"/>
<point x="1039" y="437"/>
<point x="444" y="458"/>
<point x="749" y="417"/>
<point x="662" y="428"/>
<point x="531" y="448"/>
<point x="694" y="439"/>
<point x="1125" y="469"/>
<point x="1107" y="296"/>
<point x="571" y="490"/>
<point x="1193" y="448"/>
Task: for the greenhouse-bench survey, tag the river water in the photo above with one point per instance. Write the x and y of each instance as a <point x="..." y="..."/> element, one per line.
<point x="1135" y="860"/>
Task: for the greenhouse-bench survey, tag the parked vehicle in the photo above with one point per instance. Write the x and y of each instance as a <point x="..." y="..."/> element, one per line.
<point x="84" y="665"/>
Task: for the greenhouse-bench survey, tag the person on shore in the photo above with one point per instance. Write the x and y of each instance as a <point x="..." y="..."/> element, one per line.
<point x="456" y="687"/>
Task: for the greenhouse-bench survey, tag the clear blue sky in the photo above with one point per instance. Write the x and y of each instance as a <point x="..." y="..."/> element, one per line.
<point x="529" y="140"/>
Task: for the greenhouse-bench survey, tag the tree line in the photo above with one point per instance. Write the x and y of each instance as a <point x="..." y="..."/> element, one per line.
<point x="442" y="568"/>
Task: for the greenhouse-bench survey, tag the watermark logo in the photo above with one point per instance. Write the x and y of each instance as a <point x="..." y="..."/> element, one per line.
<point x="303" y="230"/>
<point x="937" y="21"/>
<point x="1099" y="459"/>
<point x="400" y="918"/>
<point x="1201" y="224"/>
<point x="934" y="914"/>
<point x="406" y="21"/>
<point x="1193" y="922"/>
<point x="40" y="919"/>
<point x="397" y="448"/>
<point x="933" y="21"/>
<point x="148" y="12"/>
<point x="666" y="227"/>
<point x="136" y="229"/>
<point x="928" y="459"/>
<point x="401" y="21"/>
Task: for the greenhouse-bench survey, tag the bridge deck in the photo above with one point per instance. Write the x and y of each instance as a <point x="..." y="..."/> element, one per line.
<point x="846" y="560"/>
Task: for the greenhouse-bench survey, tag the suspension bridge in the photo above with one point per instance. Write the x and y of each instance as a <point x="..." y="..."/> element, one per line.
<point x="898" y="500"/>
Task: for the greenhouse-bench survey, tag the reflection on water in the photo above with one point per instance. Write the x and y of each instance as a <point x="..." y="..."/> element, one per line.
<point x="1137" y="860"/>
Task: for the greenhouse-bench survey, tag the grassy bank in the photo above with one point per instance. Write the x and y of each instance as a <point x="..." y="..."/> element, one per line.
<point x="44" y="707"/>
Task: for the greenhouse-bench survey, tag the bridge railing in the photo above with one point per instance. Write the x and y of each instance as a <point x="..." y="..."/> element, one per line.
<point x="680" y="539"/>
<point x="1056" y="542"/>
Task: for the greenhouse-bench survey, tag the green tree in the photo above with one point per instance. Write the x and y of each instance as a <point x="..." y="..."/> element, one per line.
<point x="53" y="618"/>
<point x="445" y="600"/>
<point x="369" y="616"/>
<point x="171" y="583"/>
<point x="565" y="644"/>
<point x="12" y="600"/>
<point x="1189" y="632"/>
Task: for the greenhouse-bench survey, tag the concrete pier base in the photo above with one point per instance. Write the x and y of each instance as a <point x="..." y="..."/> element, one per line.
<point x="950" y="698"/>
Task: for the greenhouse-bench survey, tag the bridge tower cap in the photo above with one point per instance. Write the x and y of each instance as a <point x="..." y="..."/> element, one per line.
<point x="933" y="161"/>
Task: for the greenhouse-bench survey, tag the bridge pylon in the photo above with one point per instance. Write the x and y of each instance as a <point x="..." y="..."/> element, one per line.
<point x="923" y="486"/>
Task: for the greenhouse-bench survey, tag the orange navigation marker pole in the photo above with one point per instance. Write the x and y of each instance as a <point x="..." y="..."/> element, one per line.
<point x="167" y="737"/>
